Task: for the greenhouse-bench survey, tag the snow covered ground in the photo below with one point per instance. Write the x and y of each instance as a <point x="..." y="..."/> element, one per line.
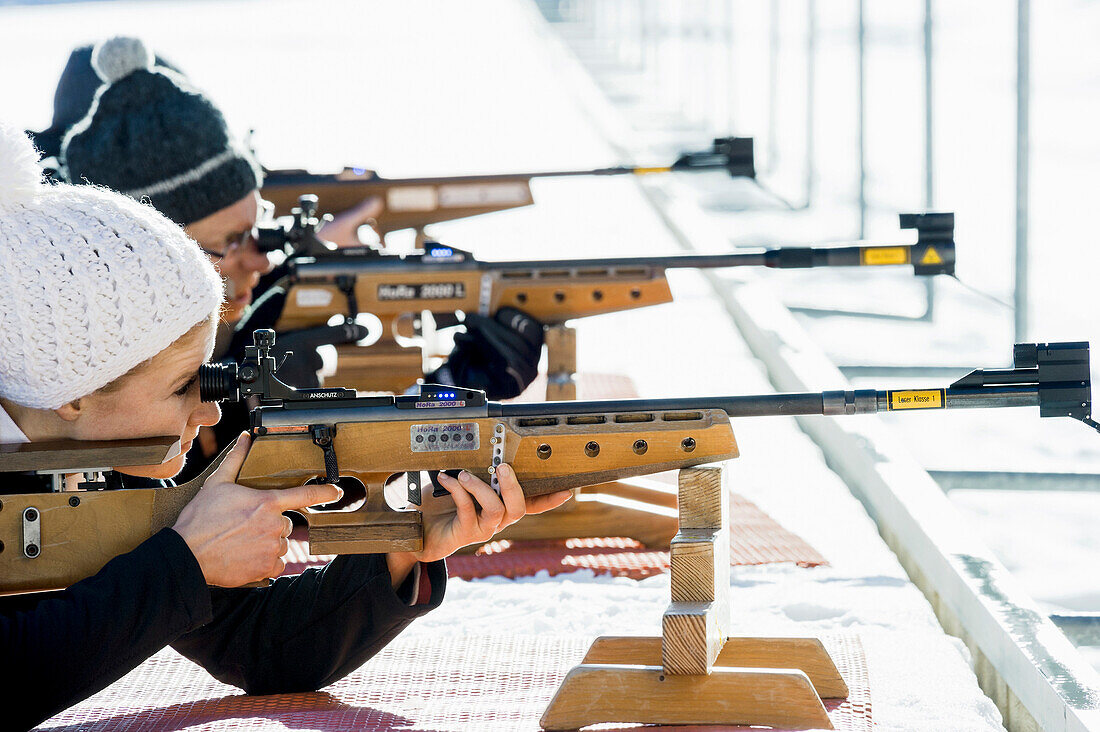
<point x="430" y="86"/>
<point x="689" y="80"/>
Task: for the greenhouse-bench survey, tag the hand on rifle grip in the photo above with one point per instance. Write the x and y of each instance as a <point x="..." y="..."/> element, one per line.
<point x="477" y="512"/>
<point x="499" y="355"/>
<point x="237" y="534"/>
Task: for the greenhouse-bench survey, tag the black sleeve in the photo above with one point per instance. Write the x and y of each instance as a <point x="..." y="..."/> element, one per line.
<point x="65" y="646"/>
<point x="304" y="632"/>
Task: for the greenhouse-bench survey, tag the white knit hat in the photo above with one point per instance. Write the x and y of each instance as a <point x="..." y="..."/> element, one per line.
<point x="92" y="283"/>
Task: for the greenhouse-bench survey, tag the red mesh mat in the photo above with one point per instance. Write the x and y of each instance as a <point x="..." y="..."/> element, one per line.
<point x="475" y="683"/>
<point x="755" y="538"/>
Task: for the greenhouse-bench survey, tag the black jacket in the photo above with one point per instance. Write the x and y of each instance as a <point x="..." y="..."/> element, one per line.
<point x="298" y="634"/>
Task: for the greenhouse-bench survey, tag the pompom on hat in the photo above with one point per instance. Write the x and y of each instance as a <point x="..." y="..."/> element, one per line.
<point x="94" y="283"/>
<point x="74" y="96"/>
<point x="152" y="135"/>
<point x="119" y="57"/>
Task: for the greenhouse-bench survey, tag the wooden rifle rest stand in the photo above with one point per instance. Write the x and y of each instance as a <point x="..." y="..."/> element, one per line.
<point x="637" y="508"/>
<point x="695" y="673"/>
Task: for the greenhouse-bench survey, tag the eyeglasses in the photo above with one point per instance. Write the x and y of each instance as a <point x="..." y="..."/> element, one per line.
<point x="265" y="213"/>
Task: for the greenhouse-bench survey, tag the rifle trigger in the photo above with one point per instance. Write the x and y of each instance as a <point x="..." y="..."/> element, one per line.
<point x="323" y="435"/>
<point x="346" y="285"/>
<point x="439" y="491"/>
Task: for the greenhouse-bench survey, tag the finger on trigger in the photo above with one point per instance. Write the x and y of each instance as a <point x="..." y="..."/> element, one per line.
<point x="492" y="507"/>
<point x="304" y="496"/>
<point x="464" y="504"/>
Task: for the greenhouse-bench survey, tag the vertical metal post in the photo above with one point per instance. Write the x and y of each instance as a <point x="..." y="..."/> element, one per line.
<point x="1023" y="133"/>
<point x="773" y="88"/>
<point x="929" y="157"/>
<point x="860" y="33"/>
<point x="731" y="61"/>
<point x="811" y="86"/>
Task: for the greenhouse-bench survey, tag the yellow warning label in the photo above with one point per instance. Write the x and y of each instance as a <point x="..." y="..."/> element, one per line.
<point x="923" y="399"/>
<point x="647" y="171"/>
<point x="931" y="257"/>
<point x="876" y="256"/>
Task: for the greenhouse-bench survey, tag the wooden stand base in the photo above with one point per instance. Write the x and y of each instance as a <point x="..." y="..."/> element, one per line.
<point x="694" y="673"/>
<point x="593" y="694"/>
<point x="805" y="654"/>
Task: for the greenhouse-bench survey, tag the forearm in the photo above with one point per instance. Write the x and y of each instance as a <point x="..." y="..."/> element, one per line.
<point x="307" y="631"/>
<point x="71" y="644"/>
<point x="399" y="565"/>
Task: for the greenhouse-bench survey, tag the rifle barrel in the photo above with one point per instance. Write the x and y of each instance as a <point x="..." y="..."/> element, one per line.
<point x="346" y="262"/>
<point x="857" y="401"/>
<point x="276" y="178"/>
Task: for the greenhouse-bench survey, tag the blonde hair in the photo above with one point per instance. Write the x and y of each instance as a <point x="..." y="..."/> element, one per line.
<point x="195" y="332"/>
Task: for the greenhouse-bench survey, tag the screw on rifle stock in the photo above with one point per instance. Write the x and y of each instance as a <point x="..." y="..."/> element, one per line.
<point x="640" y="447"/>
<point x="74" y="501"/>
<point x="32" y="550"/>
<point x="687" y="444"/>
<point x="592" y="449"/>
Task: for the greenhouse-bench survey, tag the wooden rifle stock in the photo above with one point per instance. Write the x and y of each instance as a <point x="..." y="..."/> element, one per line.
<point x="413" y="203"/>
<point x="548" y="455"/>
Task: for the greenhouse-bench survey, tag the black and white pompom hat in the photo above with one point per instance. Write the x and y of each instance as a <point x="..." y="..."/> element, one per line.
<point x="149" y="133"/>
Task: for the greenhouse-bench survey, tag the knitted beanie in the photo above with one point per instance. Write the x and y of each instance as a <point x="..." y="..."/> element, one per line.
<point x="151" y="135"/>
<point x="94" y="283"/>
<point x="73" y="98"/>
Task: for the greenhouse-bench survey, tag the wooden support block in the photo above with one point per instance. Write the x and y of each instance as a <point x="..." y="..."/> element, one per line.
<point x="561" y="363"/>
<point x="700" y="565"/>
<point x="805" y="654"/>
<point x="695" y="624"/>
<point x="694" y="634"/>
<point x="703" y="498"/>
<point x="592" y="694"/>
<point x="561" y="350"/>
<point x="563" y="389"/>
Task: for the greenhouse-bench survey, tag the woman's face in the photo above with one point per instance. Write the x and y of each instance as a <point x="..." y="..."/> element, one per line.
<point x="225" y="237"/>
<point x="160" y="399"/>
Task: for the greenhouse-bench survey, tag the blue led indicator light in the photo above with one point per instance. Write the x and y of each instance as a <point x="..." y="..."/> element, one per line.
<point x="442" y="252"/>
<point x="359" y="171"/>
